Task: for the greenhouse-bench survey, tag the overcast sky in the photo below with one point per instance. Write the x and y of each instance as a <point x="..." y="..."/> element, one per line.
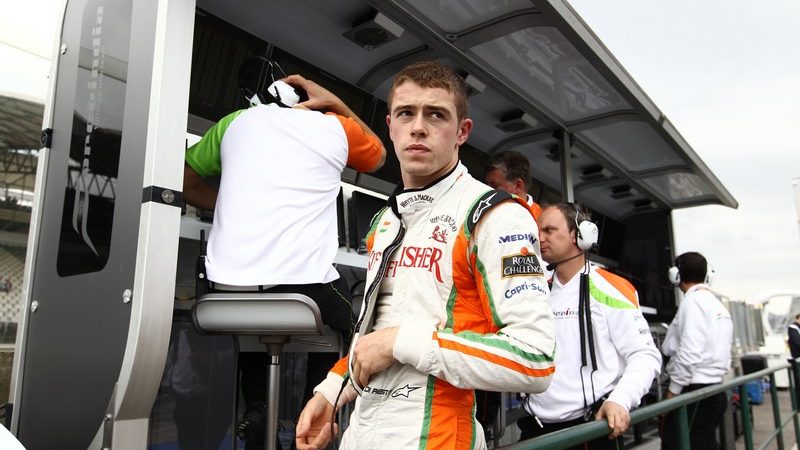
<point x="725" y="72"/>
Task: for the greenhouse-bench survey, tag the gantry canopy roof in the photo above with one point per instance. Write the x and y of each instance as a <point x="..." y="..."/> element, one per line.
<point x="537" y="70"/>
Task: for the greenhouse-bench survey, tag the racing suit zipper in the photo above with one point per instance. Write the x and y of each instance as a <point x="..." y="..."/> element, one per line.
<point x="369" y="304"/>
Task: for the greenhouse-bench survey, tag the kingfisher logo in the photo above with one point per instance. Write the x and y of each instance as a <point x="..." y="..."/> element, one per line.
<point x="518" y="237"/>
<point x="411" y="257"/>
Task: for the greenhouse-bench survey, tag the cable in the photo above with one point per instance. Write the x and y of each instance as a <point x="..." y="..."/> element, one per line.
<point x="335" y="410"/>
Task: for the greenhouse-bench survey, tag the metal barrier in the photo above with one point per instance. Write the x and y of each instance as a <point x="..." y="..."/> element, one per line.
<point x="582" y="433"/>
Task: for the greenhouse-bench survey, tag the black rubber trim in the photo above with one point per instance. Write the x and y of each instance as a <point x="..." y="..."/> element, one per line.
<point x="162" y="195"/>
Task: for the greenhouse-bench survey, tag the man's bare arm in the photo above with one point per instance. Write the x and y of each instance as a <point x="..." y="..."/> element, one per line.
<point x="196" y="192"/>
<point x="321" y="99"/>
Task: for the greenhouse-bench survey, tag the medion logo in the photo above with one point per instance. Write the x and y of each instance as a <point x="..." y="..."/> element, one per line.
<point x="528" y="237"/>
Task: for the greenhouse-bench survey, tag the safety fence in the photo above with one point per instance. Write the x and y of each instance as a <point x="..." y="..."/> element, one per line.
<point x="582" y="433"/>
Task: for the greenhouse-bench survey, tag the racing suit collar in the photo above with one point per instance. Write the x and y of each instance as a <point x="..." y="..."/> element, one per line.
<point x="409" y="200"/>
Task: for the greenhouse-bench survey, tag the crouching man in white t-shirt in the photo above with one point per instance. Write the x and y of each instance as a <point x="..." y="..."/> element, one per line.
<point x="275" y="210"/>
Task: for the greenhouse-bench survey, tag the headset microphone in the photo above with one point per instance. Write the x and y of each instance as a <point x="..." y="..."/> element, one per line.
<point x="552" y="266"/>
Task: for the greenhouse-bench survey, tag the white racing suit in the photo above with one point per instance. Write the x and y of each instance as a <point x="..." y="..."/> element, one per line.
<point x="470" y="300"/>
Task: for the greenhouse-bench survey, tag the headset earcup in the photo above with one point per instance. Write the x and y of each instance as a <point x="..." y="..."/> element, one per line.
<point x="586" y="235"/>
<point x="674" y="276"/>
<point x="710" y="274"/>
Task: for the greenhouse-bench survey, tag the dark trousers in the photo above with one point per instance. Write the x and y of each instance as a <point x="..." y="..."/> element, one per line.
<point x="704" y="419"/>
<point x="333" y="300"/>
<point x="531" y="429"/>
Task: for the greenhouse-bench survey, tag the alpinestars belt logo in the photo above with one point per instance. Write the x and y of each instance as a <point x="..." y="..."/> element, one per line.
<point x="404" y="391"/>
<point x="399" y="392"/>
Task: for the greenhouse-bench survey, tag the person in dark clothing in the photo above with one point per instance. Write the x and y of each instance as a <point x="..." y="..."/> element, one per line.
<point x="794" y="337"/>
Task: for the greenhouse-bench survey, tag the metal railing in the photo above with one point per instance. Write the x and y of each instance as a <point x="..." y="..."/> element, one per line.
<point x="582" y="433"/>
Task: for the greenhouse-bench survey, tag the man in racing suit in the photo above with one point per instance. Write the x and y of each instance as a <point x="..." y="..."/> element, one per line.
<point x="456" y="297"/>
<point x="606" y="360"/>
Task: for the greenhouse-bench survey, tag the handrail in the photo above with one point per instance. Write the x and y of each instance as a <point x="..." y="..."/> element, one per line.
<point x="582" y="433"/>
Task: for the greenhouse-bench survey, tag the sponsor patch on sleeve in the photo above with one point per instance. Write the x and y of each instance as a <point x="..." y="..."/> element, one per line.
<point x="521" y="265"/>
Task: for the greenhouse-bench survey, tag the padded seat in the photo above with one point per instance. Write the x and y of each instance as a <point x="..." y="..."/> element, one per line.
<point x="275" y="319"/>
<point x="259" y="314"/>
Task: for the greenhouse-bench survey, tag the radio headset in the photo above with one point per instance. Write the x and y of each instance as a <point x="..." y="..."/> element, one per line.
<point x="586" y="234"/>
<point x="278" y="92"/>
<point x="674" y="273"/>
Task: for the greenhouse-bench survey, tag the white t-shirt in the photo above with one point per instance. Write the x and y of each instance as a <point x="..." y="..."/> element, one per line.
<point x="275" y="217"/>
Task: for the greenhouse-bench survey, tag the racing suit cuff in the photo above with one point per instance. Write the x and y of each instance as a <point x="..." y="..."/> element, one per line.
<point x="675" y="388"/>
<point x="413" y="342"/>
<point x="329" y="387"/>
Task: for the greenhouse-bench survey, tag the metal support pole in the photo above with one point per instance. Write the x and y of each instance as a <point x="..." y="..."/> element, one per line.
<point x="793" y="387"/>
<point x="776" y="410"/>
<point x="565" y="154"/>
<point x="273" y="392"/>
<point x="744" y="400"/>
<point x="683" y="428"/>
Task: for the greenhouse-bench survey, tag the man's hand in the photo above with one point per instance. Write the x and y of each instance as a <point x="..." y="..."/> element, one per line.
<point x="618" y="418"/>
<point x="313" y="429"/>
<point x="373" y="354"/>
<point x="670" y="395"/>
<point x="319" y="98"/>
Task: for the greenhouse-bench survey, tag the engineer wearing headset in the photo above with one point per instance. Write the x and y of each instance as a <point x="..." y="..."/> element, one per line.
<point x="603" y="340"/>
<point x="273" y="232"/>
<point x="698" y="343"/>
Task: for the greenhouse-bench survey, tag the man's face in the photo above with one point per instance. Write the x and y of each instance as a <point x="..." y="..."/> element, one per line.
<point x="496" y="178"/>
<point x="426" y="132"/>
<point x="557" y="242"/>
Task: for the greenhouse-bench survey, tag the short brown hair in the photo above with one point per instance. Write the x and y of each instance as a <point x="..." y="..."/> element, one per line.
<point x="572" y="212"/>
<point x="431" y="74"/>
<point x="513" y="164"/>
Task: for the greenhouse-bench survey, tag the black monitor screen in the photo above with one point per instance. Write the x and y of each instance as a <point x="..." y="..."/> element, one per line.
<point x="612" y="236"/>
<point x="361" y="208"/>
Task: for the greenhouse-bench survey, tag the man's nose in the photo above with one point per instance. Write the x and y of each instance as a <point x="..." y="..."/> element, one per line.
<point x="418" y="127"/>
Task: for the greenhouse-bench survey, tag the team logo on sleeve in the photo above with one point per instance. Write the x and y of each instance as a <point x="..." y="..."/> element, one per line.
<point x="521" y="265"/>
<point x="518" y="237"/>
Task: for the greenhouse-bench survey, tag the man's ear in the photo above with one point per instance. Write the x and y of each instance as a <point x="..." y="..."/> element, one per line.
<point x="389" y="125"/>
<point x="464" y="129"/>
<point x="519" y="185"/>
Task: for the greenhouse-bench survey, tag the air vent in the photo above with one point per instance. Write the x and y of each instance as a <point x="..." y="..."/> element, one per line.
<point x="595" y="172"/>
<point x="622" y="191"/>
<point x="642" y="205"/>
<point x="373" y="30"/>
<point x="517" y="121"/>
<point x="554" y="153"/>
<point x="474" y="85"/>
